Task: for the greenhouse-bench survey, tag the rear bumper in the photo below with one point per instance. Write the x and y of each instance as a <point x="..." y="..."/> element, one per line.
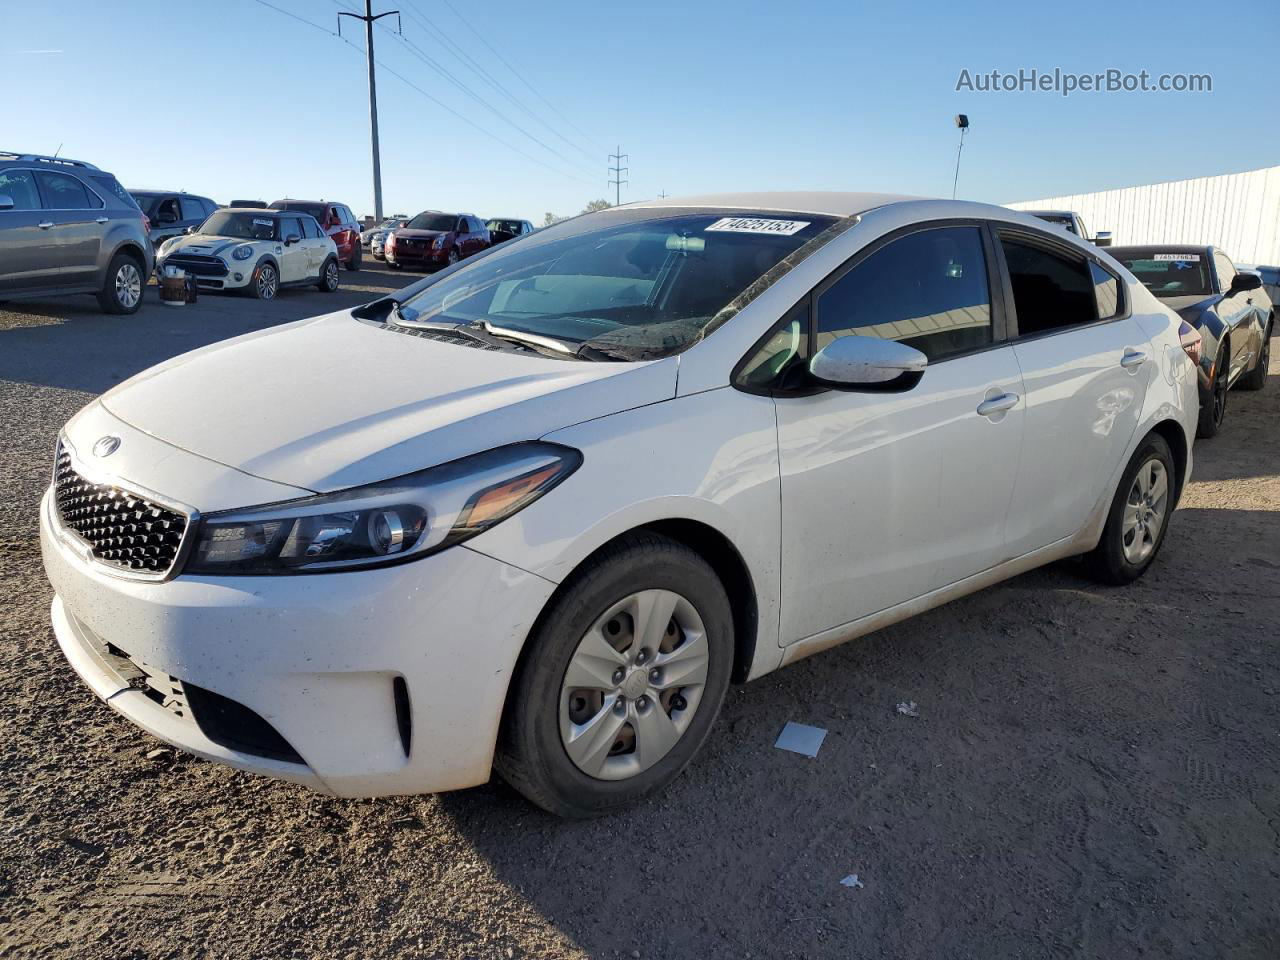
<point x="315" y="657"/>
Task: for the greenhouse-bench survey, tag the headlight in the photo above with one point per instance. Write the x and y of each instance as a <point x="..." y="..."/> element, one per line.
<point x="388" y="522"/>
<point x="242" y="252"/>
<point x="166" y="245"/>
<point x="439" y="242"/>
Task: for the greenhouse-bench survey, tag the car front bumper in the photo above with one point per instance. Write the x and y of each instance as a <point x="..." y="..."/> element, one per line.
<point x="314" y="656"/>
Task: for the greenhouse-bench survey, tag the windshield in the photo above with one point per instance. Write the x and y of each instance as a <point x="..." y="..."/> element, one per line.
<point x="507" y="226"/>
<point x="145" y="201"/>
<point x="433" y="221"/>
<point x="1173" y="274"/>
<point x="633" y="285"/>
<point x="317" y="210"/>
<point x="243" y="225"/>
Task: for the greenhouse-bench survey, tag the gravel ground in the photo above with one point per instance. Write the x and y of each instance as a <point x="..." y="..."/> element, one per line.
<point x="1093" y="772"/>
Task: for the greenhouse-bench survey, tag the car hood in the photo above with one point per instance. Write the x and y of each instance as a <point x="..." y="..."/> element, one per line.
<point x="403" y="232"/>
<point x="335" y="402"/>
<point x="1192" y="305"/>
<point x="207" y="245"/>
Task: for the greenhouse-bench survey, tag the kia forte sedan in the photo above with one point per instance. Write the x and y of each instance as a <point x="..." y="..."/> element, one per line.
<point x="536" y="513"/>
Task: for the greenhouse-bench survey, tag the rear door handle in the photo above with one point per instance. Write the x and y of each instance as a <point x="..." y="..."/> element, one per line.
<point x="45" y="224"/>
<point x="1006" y="401"/>
<point x="1133" y="358"/>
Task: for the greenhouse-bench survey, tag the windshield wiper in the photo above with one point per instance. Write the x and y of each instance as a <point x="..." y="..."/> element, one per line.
<point x="553" y="344"/>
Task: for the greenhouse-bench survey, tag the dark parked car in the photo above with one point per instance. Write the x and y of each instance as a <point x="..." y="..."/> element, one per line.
<point x="68" y="227"/>
<point x="1229" y="308"/>
<point x="433" y="239"/>
<point x="1072" y="222"/>
<point x="335" y="219"/>
<point x="172" y="213"/>
<point x="502" y="229"/>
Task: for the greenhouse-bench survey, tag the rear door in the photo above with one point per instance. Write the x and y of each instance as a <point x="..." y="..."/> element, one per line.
<point x="1086" y="364"/>
<point x="316" y="244"/>
<point x="79" y="222"/>
<point x="888" y="496"/>
<point x="27" y="246"/>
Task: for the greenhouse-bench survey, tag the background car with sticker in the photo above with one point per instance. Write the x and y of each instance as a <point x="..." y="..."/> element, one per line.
<point x="1229" y="308"/>
<point x="255" y="251"/>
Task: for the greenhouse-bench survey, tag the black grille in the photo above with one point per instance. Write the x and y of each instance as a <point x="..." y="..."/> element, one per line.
<point x="231" y="724"/>
<point x="123" y="529"/>
<point x="198" y="265"/>
<point x="444" y="336"/>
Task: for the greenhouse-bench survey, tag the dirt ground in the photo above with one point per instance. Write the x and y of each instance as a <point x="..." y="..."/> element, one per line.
<point x="1093" y="772"/>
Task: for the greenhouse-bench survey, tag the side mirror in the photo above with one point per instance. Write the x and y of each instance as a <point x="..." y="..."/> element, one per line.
<point x="1245" y="281"/>
<point x="868" y="364"/>
<point x="292" y="239"/>
<point x="6" y="202"/>
<point x="1102" y="238"/>
<point x="190" y="230"/>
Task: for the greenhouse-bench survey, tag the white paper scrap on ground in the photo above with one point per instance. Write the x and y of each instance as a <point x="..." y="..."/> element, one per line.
<point x="801" y="738"/>
<point x="908" y="708"/>
<point x="851" y="881"/>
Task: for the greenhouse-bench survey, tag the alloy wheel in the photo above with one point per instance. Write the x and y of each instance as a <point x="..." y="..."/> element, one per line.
<point x="1144" y="511"/>
<point x="267" y="282"/>
<point x="128" y="286"/>
<point x="633" y="685"/>
<point x="331" y="275"/>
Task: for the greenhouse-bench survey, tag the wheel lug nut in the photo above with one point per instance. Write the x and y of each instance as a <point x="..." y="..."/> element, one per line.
<point x="678" y="702"/>
<point x="642" y="702"/>
<point x="655" y="674"/>
<point x="641" y="657"/>
<point x="618" y="675"/>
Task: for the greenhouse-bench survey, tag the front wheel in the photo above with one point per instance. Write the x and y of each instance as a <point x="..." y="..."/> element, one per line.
<point x="1139" y="516"/>
<point x="122" y="290"/>
<point x="1214" y="408"/>
<point x="328" y="279"/>
<point x="395" y="266"/>
<point x="357" y="257"/>
<point x="266" y="281"/>
<point x="1256" y="378"/>
<point x="621" y="681"/>
<point x="453" y="256"/>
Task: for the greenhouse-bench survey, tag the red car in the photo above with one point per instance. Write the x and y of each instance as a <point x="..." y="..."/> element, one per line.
<point x="335" y="219"/>
<point x="433" y="239"/>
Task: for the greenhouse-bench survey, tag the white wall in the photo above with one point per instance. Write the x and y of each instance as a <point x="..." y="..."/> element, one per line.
<point x="1239" y="212"/>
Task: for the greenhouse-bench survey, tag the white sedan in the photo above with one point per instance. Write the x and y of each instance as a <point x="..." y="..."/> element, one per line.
<point x="538" y="512"/>
<point x="255" y="251"/>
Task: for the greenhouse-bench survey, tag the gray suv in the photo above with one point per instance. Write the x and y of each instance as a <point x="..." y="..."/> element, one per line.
<point x="68" y="227"/>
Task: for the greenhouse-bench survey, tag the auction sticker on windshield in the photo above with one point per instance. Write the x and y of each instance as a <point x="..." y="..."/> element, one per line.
<point x="1189" y="257"/>
<point x="784" y="228"/>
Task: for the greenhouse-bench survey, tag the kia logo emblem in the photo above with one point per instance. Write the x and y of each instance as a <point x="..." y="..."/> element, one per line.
<point x="106" y="446"/>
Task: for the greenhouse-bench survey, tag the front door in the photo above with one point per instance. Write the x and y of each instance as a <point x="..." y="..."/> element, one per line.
<point x="28" y="246"/>
<point x="293" y="256"/>
<point x="888" y="496"/>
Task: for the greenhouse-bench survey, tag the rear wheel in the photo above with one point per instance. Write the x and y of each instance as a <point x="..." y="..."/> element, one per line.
<point x="122" y="291"/>
<point x="266" y="281"/>
<point x="1214" y="409"/>
<point x="1139" y="516"/>
<point x="395" y="266"/>
<point x="328" y="279"/>
<point x="1256" y="378"/>
<point x="622" y="680"/>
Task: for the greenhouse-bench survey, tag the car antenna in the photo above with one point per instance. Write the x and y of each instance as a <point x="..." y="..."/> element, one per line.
<point x="58" y="151"/>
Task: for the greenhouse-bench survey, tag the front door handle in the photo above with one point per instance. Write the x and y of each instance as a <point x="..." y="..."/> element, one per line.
<point x="45" y="224"/>
<point x="1133" y="358"/>
<point x="1005" y="401"/>
<point x="101" y="220"/>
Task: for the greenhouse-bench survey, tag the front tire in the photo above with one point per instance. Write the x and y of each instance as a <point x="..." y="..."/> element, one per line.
<point x="395" y="266"/>
<point x="122" y="290"/>
<point x="1256" y="378"/>
<point x="265" y="282"/>
<point x="621" y="681"/>
<point x="1139" y="516"/>
<point x="328" y="280"/>
<point x="357" y="257"/>
<point x="1214" y="409"/>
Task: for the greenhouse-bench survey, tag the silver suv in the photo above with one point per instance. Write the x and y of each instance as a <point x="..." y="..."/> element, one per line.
<point x="68" y="227"/>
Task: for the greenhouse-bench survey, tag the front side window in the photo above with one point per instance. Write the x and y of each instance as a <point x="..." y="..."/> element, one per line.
<point x="192" y="209"/>
<point x="1051" y="290"/>
<point x="240" y="225"/>
<point x="20" y="187"/>
<point x="310" y="229"/>
<point x="928" y="290"/>
<point x="780" y="352"/>
<point x="1106" y="291"/>
<point x="290" y="227"/>
<point x="167" y="211"/>
<point x="629" y="285"/>
<point x="63" y="192"/>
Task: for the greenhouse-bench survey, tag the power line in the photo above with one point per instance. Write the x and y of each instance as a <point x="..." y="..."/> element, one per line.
<point x="618" y="171"/>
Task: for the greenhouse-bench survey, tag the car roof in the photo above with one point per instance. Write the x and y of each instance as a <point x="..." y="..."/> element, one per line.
<point x="801" y="201"/>
<point x="1161" y="248"/>
<point x="1051" y="213"/>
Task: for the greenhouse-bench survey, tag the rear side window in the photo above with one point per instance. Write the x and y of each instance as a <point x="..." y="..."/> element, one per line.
<point x="109" y="187"/>
<point x="1106" y="291"/>
<point x="1051" y="290"/>
<point x="63" y="192"/>
<point x="20" y="187"/>
<point x="928" y="290"/>
<point x="310" y="229"/>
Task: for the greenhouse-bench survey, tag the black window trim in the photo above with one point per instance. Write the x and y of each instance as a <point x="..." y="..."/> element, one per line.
<point x="1062" y="248"/>
<point x="40" y="190"/>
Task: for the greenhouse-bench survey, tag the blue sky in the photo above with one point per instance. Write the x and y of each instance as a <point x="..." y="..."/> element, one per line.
<point x="233" y="99"/>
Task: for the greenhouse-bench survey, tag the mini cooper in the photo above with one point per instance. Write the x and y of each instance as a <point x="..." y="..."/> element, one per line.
<point x="257" y="251"/>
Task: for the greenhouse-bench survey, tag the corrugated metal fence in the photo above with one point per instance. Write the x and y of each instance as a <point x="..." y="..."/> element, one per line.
<point x="1239" y="212"/>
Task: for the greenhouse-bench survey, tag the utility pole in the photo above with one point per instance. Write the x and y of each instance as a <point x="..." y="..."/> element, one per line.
<point x="617" y="172"/>
<point x="369" y="19"/>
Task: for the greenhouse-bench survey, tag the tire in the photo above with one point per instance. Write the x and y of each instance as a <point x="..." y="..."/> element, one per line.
<point x="591" y="619"/>
<point x="265" y="283"/>
<point x="395" y="266"/>
<point x="1127" y="548"/>
<point x="453" y="256"/>
<point x="1214" y="410"/>
<point x="327" y="282"/>
<point x="1256" y="378"/>
<point x="123" y="287"/>
<point x="357" y="257"/>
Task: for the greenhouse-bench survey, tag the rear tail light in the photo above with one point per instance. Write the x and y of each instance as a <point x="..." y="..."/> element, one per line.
<point x="146" y="223"/>
<point x="1191" y="341"/>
